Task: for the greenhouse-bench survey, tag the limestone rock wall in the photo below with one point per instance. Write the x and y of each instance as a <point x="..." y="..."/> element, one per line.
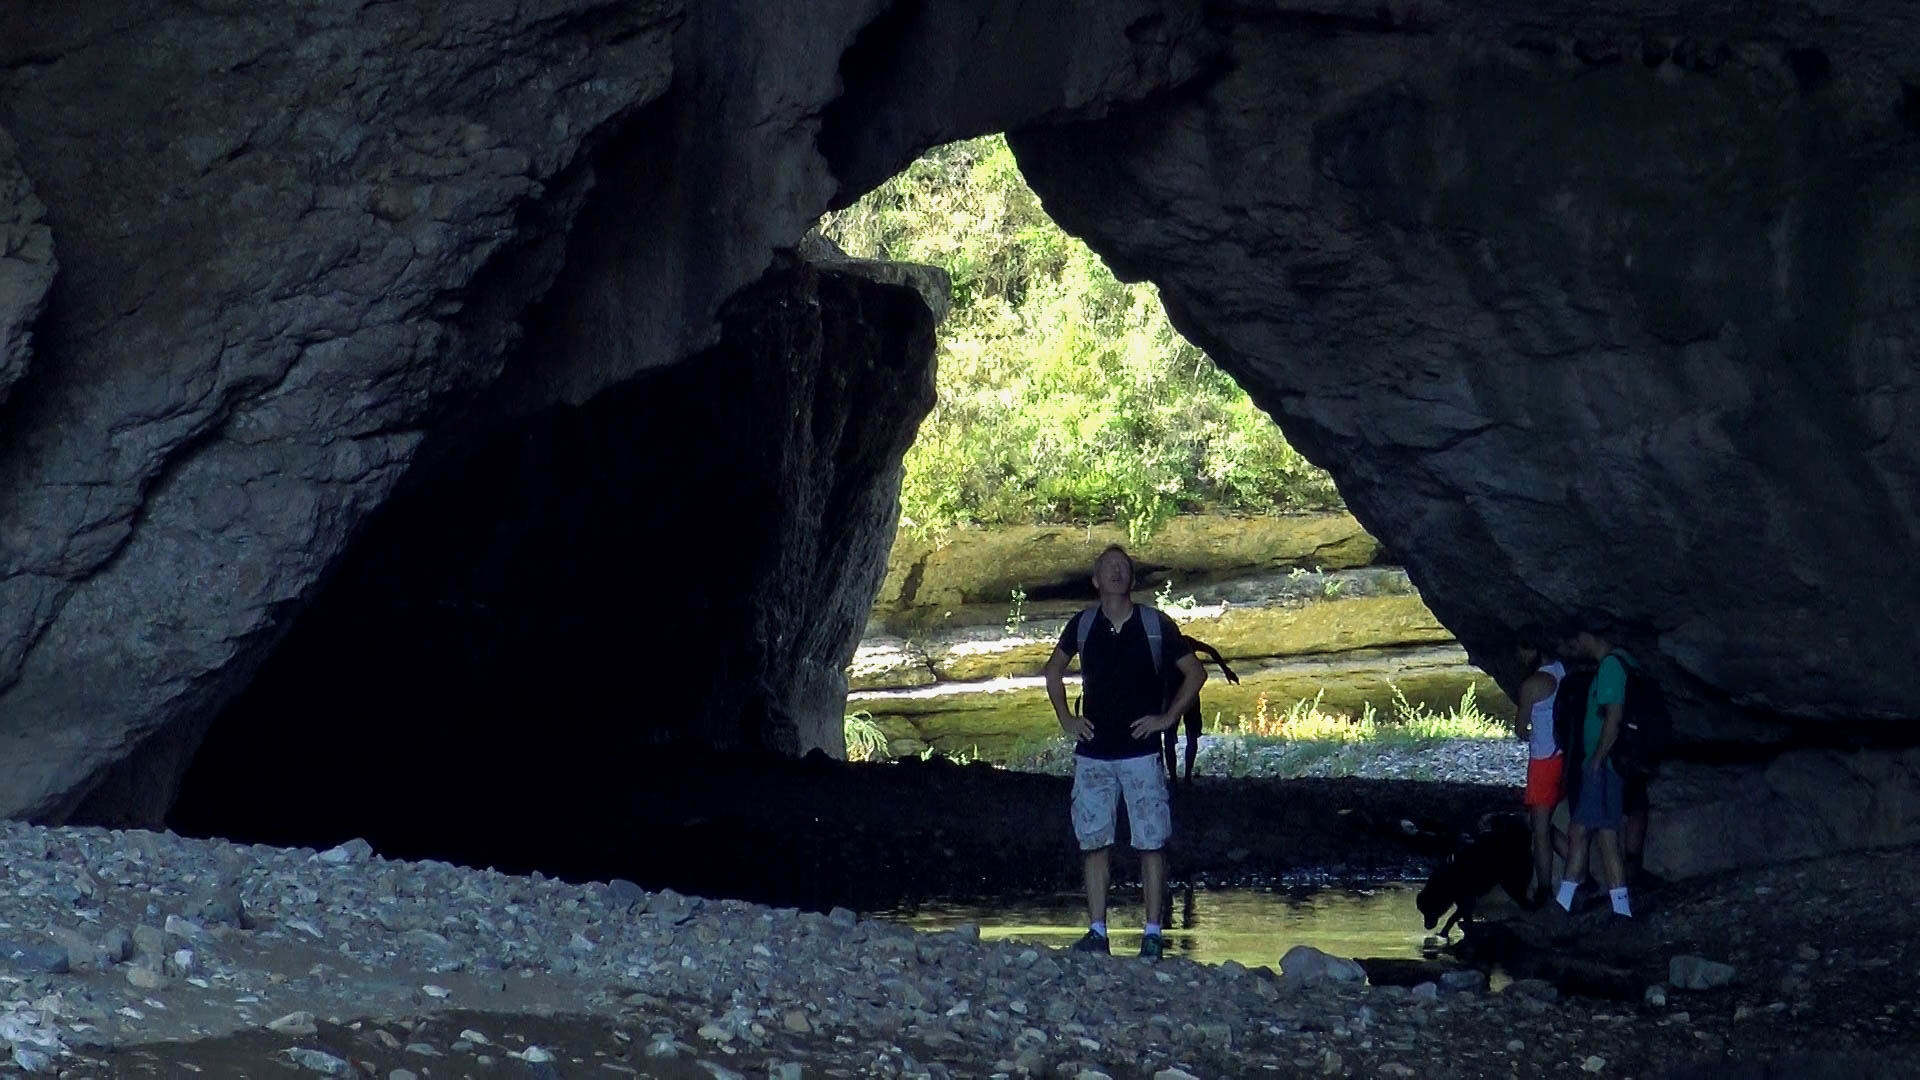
<point x="26" y="266"/>
<point x="1593" y="311"/>
<point x="500" y="638"/>
<point x="283" y="231"/>
<point x="297" y="239"/>
<point x="1600" y="309"/>
<point x="929" y="578"/>
<point x="1801" y="804"/>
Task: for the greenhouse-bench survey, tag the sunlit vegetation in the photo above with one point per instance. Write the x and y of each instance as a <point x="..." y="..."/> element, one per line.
<point x="865" y="740"/>
<point x="1065" y="395"/>
<point x="1406" y="722"/>
<point x="1270" y="740"/>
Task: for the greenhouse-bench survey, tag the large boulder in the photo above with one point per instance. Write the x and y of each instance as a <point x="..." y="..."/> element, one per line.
<point x="1593" y="314"/>
<point x="1708" y="819"/>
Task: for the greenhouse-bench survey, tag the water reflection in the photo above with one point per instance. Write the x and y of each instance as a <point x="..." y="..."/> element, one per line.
<point x="1253" y="926"/>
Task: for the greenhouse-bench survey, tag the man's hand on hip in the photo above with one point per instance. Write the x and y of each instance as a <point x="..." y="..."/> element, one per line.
<point x="1079" y="727"/>
<point x="1149" y="724"/>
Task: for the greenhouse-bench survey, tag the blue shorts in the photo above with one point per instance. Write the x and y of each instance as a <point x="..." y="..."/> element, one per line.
<point x="1602" y="801"/>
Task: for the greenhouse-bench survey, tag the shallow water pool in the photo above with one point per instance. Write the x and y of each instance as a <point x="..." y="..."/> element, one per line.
<point x="1252" y="926"/>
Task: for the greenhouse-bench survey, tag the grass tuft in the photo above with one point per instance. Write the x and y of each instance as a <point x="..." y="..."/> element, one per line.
<point x="1308" y="720"/>
<point x="865" y="740"/>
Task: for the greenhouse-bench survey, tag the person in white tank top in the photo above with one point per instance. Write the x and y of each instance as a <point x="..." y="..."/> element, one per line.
<point x="1534" y="724"/>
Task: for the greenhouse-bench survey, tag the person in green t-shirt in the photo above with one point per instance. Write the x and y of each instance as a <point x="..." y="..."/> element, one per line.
<point x="1598" y="803"/>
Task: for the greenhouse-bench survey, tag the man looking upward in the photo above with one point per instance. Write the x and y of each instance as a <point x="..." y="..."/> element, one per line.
<point x="1117" y="747"/>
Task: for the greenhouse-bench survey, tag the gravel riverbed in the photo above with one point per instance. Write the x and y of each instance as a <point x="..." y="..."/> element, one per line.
<point x="134" y="953"/>
<point x="1498" y="762"/>
<point x="1483" y="762"/>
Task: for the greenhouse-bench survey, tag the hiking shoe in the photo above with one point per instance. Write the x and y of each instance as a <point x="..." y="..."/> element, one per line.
<point x="1150" y="947"/>
<point x="1093" y="942"/>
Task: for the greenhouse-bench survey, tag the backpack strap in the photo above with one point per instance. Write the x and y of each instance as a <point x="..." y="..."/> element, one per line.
<point x="1086" y="628"/>
<point x="1149" y="621"/>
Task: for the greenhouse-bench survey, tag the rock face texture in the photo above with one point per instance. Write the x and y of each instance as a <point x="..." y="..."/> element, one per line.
<point x="283" y="231"/>
<point x="26" y="266"/>
<point x="1801" y="804"/>
<point x="1594" y="310"/>
<point x="296" y="239"/>
<point x="699" y="578"/>
<point x="927" y="579"/>
<point x="1594" y="313"/>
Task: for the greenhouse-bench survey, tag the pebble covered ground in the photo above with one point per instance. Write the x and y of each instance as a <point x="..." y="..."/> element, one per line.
<point x="1462" y="761"/>
<point x="1494" y="762"/>
<point x="273" y="961"/>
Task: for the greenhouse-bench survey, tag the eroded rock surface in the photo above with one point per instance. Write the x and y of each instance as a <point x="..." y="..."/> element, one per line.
<point x="1799" y="804"/>
<point x="284" y="232"/>
<point x="700" y="578"/>
<point x="1591" y="312"/>
<point x="296" y="239"/>
<point x="1592" y="309"/>
<point x="27" y="265"/>
<point x="929" y="578"/>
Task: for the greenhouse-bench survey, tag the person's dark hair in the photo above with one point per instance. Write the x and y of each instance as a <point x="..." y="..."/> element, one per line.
<point x="1544" y="643"/>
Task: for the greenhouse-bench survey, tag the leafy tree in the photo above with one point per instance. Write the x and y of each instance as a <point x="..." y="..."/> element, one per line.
<point x="1064" y="394"/>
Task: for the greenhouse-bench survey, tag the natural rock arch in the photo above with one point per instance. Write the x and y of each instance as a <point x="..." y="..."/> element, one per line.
<point x="1597" y="311"/>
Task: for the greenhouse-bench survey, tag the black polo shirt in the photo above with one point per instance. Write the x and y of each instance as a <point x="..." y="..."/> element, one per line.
<point x="1118" y="684"/>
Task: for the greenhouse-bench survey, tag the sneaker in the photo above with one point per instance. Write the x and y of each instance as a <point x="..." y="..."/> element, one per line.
<point x="1150" y="947"/>
<point x="1093" y="942"/>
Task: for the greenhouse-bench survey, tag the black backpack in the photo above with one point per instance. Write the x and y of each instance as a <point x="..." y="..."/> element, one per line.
<point x="1570" y="716"/>
<point x="1646" y="727"/>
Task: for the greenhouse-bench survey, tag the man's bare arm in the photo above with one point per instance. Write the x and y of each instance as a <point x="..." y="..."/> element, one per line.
<point x="1609" y="731"/>
<point x="1077" y="726"/>
<point x="1195" y="676"/>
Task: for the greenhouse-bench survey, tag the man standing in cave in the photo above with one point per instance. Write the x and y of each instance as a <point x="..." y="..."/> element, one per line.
<point x="1124" y="648"/>
<point x="1597" y="794"/>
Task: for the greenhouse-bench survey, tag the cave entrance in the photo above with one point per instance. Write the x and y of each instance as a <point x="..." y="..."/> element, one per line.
<point x="529" y="655"/>
<point x="1065" y="395"/>
<point x="525" y="658"/>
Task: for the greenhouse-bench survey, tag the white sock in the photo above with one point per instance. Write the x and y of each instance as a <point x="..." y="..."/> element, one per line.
<point x="1100" y="928"/>
<point x="1565" y="897"/>
<point x="1153" y="928"/>
<point x="1619" y="898"/>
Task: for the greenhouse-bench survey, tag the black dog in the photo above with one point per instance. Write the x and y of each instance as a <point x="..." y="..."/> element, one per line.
<point x="1501" y="853"/>
<point x="1191" y="719"/>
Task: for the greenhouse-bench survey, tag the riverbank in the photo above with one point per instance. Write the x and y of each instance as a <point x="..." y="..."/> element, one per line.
<point x="1297" y="604"/>
<point x="344" y="963"/>
<point x="1499" y="762"/>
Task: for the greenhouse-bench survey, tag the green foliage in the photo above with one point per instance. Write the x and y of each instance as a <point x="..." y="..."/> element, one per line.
<point x="1307" y="721"/>
<point x="1064" y="394"/>
<point x="865" y="740"/>
<point x="1016" y="610"/>
<point x="1419" y="723"/>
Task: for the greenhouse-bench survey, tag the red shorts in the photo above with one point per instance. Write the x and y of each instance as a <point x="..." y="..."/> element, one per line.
<point x="1543" y="780"/>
